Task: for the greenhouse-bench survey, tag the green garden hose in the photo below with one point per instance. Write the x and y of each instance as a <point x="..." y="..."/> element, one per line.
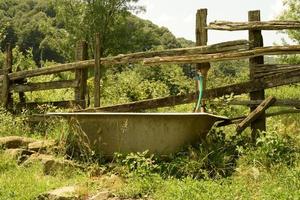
<point x="199" y="79"/>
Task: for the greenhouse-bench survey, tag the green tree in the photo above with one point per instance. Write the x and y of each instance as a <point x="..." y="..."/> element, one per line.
<point x="292" y="12"/>
<point x="83" y="19"/>
<point x="31" y="25"/>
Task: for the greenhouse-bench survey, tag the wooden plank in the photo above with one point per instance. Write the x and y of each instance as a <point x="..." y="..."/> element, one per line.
<point x="283" y="112"/>
<point x="132" y="58"/>
<point x="274" y="67"/>
<point x="238" y="120"/>
<point x="193" y="59"/>
<point x="97" y="72"/>
<point x="269" y="70"/>
<point x="234" y="45"/>
<point x="255" y="114"/>
<point x="243" y="54"/>
<point x="256" y="40"/>
<point x="59" y="104"/>
<point x="51" y="70"/>
<point x="279" y="102"/>
<point x="30" y="87"/>
<point x="81" y="75"/>
<point x="237" y="89"/>
<point x="201" y="40"/>
<point x="253" y="25"/>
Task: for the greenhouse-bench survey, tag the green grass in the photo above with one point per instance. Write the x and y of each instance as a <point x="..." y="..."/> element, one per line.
<point x="270" y="170"/>
<point x="22" y="183"/>
<point x="282" y="183"/>
<point x="247" y="183"/>
<point x="221" y="168"/>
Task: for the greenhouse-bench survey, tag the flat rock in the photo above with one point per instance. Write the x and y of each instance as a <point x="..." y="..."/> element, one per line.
<point x="41" y="146"/>
<point x="106" y="195"/>
<point x="65" y="193"/>
<point x="101" y="196"/>
<point x="18" y="153"/>
<point x="50" y="163"/>
<point x="14" y="142"/>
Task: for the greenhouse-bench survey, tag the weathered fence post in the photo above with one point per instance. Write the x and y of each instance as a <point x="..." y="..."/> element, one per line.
<point x="81" y="75"/>
<point x="256" y="40"/>
<point x="22" y="96"/>
<point x="201" y="40"/>
<point x="6" y="95"/>
<point x="97" y="72"/>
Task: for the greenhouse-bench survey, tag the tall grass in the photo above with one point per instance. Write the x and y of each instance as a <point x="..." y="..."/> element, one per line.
<point x="21" y="183"/>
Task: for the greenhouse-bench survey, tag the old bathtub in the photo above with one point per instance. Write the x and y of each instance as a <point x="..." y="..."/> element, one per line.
<point x="159" y="133"/>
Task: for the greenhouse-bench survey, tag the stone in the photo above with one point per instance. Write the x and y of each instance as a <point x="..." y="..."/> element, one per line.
<point x="65" y="193"/>
<point x="19" y="154"/>
<point x="50" y="164"/>
<point x="113" y="182"/>
<point x="104" y="195"/>
<point x="41" y="146"/>
<point x="14" y="142"/>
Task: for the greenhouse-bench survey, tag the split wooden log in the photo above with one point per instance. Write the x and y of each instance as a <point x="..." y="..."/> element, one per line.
<point x="279" y="102"/>
<point x="253" y="25"/>
<point x="274" y="67"/>
<point x="195" y="58"/>
<point x="30" y="87"/>
<point x="59" y="104"/>
<point x="269" y="70"/>
<point x="133" y="58"/>
<point x="237" y="89"/>
<point x="243" y="54"/>
<point x="238" y="120"/>
<point x="255" y="114"/>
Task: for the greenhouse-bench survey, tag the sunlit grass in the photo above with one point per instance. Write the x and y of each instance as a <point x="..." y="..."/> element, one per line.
<point x="21" y="183"/>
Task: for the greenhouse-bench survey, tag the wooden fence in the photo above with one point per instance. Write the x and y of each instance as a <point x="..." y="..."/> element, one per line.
<point x="262" y="76"/>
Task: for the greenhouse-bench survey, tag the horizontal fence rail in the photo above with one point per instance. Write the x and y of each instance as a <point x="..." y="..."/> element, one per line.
<point x="237" y="89"/>
<point x="58" y="104"/>
<point x="240" y="119"/>
<point x="243" y="54"/>
<point x="132" y="58"/>
<point x="30" y="87"/>
<point x="279" y="102"/>
<point x="269" y="70"/>
<point x="253" y="25"/>
<point x="176" y="59"/>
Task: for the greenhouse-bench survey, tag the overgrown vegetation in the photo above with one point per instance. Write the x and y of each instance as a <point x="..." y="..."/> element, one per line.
<point x="223" y="166"/>
<point x="19" y="182"/>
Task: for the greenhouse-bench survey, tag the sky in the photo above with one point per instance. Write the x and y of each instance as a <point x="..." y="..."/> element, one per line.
<point x="179" y="16"/>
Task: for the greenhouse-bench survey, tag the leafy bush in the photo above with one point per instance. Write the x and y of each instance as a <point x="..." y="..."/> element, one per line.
<point x="272" y="149"/>
<point x="141" y="187"/>
<point x="138" y="164"/>
<point x="12" y="125"/>
<point x="215" y="157"/>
